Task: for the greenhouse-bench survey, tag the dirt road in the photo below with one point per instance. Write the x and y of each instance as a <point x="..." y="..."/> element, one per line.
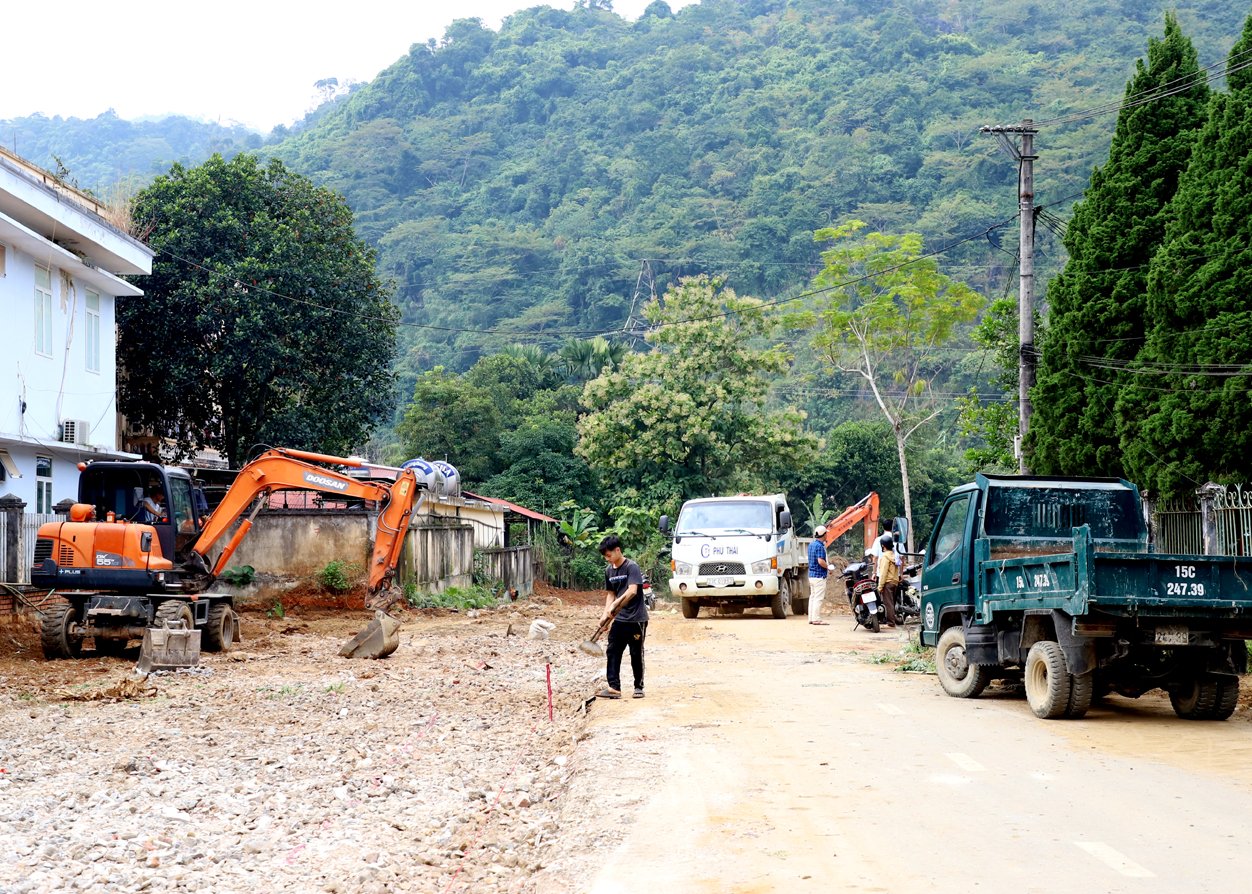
<point x="776" y="756"/>
<point x="768" y="756"/>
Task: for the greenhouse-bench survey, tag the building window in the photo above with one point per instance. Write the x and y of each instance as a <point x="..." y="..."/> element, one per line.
<point x="43" y="311"/>
<point x="43" y="484"/>
<point x="93" y="332"/>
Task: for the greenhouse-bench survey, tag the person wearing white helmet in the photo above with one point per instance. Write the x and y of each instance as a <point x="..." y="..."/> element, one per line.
<point x="818" y="570"/>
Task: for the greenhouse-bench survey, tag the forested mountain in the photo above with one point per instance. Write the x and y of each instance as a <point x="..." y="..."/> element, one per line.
<point x="514" y="181"/>
<point x="99" y="153"/>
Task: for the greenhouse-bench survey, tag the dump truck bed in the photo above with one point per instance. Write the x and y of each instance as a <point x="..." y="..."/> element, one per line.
<point x="1082" y="581"/>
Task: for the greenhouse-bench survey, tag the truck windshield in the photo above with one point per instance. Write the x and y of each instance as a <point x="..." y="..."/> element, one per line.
<point x="1053" y="513"/>
<point x="730" y="515"/>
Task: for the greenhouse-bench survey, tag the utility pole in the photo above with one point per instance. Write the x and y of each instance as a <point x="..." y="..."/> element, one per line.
<point x="1025" y="158"/>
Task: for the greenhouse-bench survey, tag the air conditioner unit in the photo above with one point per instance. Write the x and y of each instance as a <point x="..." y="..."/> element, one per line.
<point x="75" y="431"/>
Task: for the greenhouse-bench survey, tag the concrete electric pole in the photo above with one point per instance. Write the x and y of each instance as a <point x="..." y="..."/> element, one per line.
<point x="1025" y="157"/>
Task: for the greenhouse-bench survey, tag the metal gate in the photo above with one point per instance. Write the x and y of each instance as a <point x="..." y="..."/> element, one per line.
<point x="1178" y="524"/>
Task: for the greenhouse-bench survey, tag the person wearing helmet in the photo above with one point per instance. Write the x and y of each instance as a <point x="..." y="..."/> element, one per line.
<point x="888" y="577"/>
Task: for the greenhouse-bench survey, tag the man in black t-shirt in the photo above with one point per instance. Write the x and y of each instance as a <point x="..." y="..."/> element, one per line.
<point x="622" y="578"/>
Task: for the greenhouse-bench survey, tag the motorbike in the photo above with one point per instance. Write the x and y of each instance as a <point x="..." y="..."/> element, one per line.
<point x="649" y="599"/>
<point x="862" y="591"/>
<point x="908" y="599"/>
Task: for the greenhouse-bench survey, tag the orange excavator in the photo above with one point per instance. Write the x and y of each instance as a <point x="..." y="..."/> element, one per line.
<point x="864" y="510"/>
<point x="137" y="550"/>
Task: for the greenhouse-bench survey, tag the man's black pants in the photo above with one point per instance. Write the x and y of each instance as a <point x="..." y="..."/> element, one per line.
<point x="623" y="635"/>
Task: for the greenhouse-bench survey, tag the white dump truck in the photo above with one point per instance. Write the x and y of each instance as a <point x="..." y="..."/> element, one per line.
<point x="738" y="552"/>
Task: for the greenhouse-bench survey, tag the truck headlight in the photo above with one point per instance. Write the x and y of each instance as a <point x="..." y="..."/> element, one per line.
<point x="683" y="569"/>
<point x="765" y="566"/>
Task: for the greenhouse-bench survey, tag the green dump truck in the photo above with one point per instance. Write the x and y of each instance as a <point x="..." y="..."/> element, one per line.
<point x="1052" y="580"/>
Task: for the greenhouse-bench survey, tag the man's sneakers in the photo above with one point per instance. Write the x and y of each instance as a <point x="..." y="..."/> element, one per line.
<point x="610" y="692"/>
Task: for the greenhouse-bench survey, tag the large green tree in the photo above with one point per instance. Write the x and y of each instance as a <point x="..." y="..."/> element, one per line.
<point x="1098" y="306"/>
<point x="1187" y="415"/>
<point x="691" y="416"/>
<point x="888" y="317"/>
<point x="263" y="322"/>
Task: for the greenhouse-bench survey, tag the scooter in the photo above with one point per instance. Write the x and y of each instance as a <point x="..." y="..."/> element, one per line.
<point x="862" y="590"/>
<point x="908" y="601"/>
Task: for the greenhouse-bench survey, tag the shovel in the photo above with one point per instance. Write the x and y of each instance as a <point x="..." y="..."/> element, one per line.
<point x="168" y="647"/>
<point x="379" y="639"/>
<point x="590" y="646"/>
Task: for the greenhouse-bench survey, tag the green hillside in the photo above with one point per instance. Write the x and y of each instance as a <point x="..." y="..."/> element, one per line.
<point x="99" y="153"/>
<point x="515" y="180"/>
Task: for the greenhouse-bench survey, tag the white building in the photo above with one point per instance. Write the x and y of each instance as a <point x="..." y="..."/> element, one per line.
<point x="59" y="266"/>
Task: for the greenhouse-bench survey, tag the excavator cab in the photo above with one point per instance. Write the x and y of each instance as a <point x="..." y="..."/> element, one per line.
<point x="117" y="549"/>
<point x="120" y="488"/>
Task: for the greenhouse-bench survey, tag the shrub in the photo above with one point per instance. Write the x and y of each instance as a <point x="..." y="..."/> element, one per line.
<point x="339" y="576"/>
<point x="458" y="598"/>
<point x="239" y="576"/>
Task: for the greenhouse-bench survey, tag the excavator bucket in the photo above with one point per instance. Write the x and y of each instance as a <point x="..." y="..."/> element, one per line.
<point x="168" y="647"/>
<point x="378" y="640"/>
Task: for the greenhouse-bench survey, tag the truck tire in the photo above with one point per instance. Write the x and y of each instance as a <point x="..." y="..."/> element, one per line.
<point x="1049" y="684"/>
<point x="1081" y="695"/>
<point x="957" y="676"/>
<point x="1227" y="698"/>
<point x="55" y="636"/>
<point x="174" y="610"/>
<point x="691" y="608"/>
<point x="781" y="600"/>
<point x="1199" y="697"/>
<point x="219" y="629"/>
<point x="800" y="607"/>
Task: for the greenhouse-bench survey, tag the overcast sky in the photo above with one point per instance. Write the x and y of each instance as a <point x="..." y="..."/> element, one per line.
<point x="231" y="61"/>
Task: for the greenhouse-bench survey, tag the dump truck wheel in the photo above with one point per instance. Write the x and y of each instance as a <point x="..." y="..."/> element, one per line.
<point x="54" y="633"/>
<point x="219" y="630"/>
<point x="173" y="610"/>
<point x="957" y="676"/>
<point x="1049" y="684"/>
<point x="691" y="608"/>
<point x="1227" y="699"/>
<point x="1197" y="698"/>
<point x="1080" y="696"/>
<point x="800" y="607"/>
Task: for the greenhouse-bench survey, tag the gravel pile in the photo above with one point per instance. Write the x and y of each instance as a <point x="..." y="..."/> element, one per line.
<point x="281" y="767"/>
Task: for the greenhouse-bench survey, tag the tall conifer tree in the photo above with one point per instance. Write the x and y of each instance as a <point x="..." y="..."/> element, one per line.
<point x="1187" y="418"/>
<point x="1097" y="305"/>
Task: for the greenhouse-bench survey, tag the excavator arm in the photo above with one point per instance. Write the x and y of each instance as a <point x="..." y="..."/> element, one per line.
<point x="281" y="469"/>
<point x="865" y="510"/>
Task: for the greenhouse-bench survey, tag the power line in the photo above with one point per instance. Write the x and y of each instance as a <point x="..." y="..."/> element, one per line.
<point x="1210" y="74"/>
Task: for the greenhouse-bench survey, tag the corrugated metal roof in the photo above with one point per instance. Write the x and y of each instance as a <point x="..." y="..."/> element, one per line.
<point x="513" y="507"/>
